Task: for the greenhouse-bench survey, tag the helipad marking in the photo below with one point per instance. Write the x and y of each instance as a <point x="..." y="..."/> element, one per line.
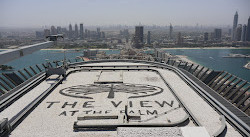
<point x="136" y="90"/>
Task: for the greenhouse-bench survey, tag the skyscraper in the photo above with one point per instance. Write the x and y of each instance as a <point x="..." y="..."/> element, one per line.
<point x="86" y="33"/>
<point x="149" y="38"/>
<point x="46" y="32"/>
<point x="211" y="36"/>
<point x="98" y="30"/>
<point x="229" y="32"/>
<point x="59" y="30"/>
<point x="248" y="30"/>
<point x="102" y="34"/>
<point x="235" y="23"/>
<point x="81" y="31"/>
<point x="170" y="31"/>
<point x="217" y="34"/>
<point x="53" y="30"/>
<point x="39" y="34"/>
<point x="244" y="32"/>
<point x="238" y="32"/>
<point x="138" y="39"/>
<point x="70" y="31"/>
<point x="76" y="31"/>
<point x="179" y="38"/>
<point x="205" y="36"/>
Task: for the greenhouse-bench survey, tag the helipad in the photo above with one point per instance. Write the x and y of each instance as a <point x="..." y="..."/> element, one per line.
<point x="116" y="99"/>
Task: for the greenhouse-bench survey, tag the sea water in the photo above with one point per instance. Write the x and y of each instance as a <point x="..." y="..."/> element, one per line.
<point x="214" y="59"/>
<point x="43" y="56"/>
<point x="211" y="58"/>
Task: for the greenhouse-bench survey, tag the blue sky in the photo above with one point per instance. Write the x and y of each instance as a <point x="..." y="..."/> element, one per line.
<point x="37" y="13"/>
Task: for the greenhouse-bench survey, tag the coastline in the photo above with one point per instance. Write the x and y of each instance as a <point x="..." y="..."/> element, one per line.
<point x="78" y="49"/>
<point x="166" y="48"/>
<point x="161" y="48"/>
<point x="211" y="48"/>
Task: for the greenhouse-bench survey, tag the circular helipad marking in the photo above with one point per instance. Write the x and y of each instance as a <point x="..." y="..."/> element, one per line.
<point x="134" y="90"/>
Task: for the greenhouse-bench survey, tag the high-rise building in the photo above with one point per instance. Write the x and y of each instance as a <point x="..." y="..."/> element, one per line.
<point x="138" y="39"/>
<point x="170" y="31"/>
<point x="244" y="32"/>
<point x="238" y="32"/>
<point x="76" y="31"/>
<point x="39" y="34"/>
<point x="53" y="30"/>
<point x="65" y="32"/>
<point x="235" y="23"/>
<point x="98" y="30"/>
<point x="86" y="33"/>
<point x="229" y="32"/>
<point x="211" y="36"/>
<point x="81" y="31"/>
<point x="59" y="30"/>
<point x="179" y="38"/>
<point x="70" y="31"/>
<point x="217" y="34"/>
<point x="149" y="38"/>
<point x="205" y="36"/>
<point x="46" y="32"/>
<point x="248" y="30"/>
<point x="102" y="34"/>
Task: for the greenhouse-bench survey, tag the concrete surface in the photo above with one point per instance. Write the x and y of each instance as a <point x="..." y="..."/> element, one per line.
<point x="144" y="92"/>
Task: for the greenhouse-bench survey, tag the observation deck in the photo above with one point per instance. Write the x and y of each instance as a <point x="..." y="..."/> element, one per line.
<point x="119" y="98"/>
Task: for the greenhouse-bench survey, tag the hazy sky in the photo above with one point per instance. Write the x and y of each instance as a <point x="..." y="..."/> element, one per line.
<point x="37" y="13"/>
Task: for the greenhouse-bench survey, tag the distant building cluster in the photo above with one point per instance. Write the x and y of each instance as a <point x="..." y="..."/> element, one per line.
<point x="155" y="36"/>
<point x="70" y="33"/>
<point x="138" y="39"/>
<point x="215" y="36"/>
<point x="240" y="32"/>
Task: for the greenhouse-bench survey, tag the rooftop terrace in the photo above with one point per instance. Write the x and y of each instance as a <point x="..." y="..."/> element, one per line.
<point x="119" y="98"/>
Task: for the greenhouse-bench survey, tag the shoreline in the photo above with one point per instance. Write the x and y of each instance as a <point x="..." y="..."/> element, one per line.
<point x="210" y="48"/>
<point x="79" y="49"/>
<point x="160" y="48"/>
<point x="166" y="48"/>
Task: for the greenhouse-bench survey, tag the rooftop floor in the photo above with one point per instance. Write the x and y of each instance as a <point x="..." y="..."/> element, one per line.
<point x="94" y="98"/>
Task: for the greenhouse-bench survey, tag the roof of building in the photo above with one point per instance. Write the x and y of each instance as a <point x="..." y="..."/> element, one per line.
<point x="119" y="98"/>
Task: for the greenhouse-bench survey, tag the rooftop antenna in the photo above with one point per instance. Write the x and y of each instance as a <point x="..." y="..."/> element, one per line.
<point x="65" y="66"/>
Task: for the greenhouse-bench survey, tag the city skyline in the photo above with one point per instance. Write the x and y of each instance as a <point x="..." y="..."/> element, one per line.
<point x="27" y="13"/>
